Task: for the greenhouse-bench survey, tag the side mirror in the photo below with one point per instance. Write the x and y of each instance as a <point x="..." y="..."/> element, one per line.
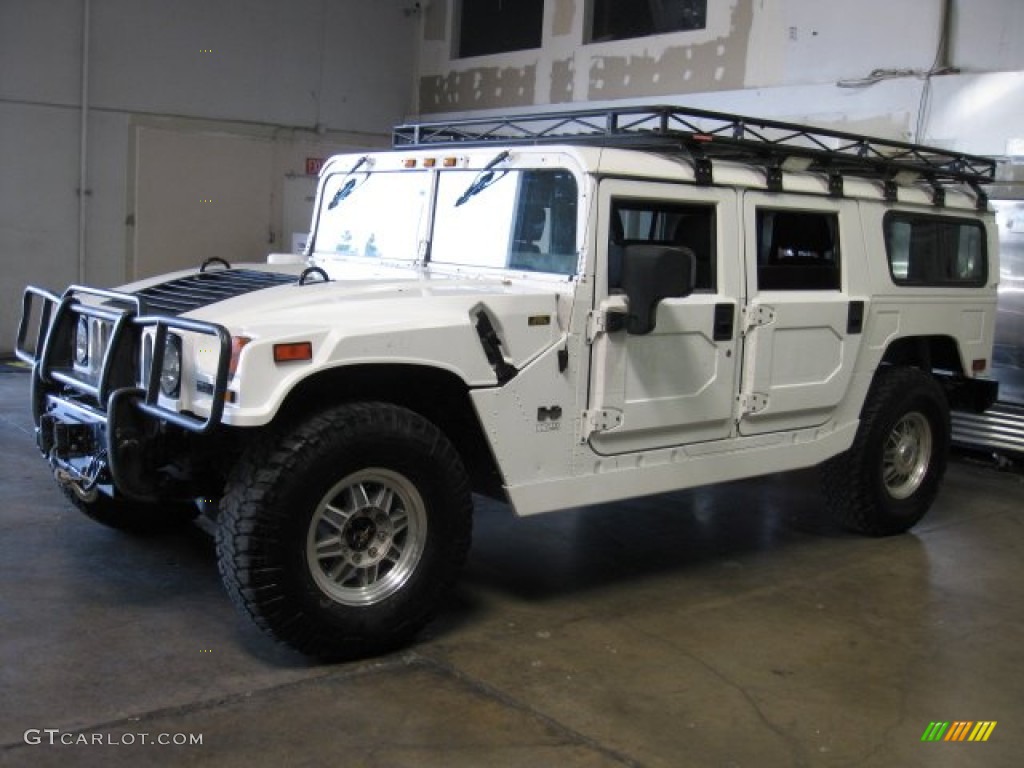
<point x="651" y="273"/>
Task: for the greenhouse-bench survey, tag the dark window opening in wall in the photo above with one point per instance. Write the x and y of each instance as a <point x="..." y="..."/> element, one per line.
<point x="623" y="19"/>
<point x="499" y="26"/>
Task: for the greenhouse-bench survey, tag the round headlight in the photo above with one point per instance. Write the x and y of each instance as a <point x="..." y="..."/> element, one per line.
<point x="82" y="341"/>
<point x="170" y="375"/>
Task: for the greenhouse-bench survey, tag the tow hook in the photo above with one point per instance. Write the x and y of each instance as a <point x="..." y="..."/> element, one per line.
<point x="68" y="481"/>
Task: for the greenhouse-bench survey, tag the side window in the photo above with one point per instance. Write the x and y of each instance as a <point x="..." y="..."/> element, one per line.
<point x="664" y="223"/>
<point x="935" y="250"/>
<point x="797" y="251"/>
<point x="544" y="234"/>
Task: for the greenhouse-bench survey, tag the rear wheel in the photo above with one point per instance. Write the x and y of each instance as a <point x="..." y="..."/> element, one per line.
<point x="341" y="535"/>
<point x="888" y="479"/>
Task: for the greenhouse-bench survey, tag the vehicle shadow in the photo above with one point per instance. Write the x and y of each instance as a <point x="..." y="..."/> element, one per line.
<point x="590" y="548"/>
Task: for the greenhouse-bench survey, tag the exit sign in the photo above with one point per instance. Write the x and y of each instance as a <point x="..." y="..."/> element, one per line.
<point x="314" y="164"/>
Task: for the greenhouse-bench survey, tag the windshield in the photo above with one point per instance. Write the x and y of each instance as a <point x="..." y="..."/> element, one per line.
<point x="523" y="220"/>
<point x="376" y="215"/>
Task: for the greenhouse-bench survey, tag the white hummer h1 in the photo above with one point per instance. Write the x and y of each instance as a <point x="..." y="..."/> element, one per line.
<point x="555" y="310"/>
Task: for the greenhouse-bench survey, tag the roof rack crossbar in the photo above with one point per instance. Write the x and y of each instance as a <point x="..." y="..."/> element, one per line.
<point x="706" y="134"/>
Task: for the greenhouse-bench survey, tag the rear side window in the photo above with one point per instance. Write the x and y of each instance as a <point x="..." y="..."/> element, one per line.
<point x="797" y="251"/>
<point x="935" y="250"/>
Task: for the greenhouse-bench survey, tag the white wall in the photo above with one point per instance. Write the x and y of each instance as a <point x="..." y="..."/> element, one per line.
<point x="775" y="58"/>
<point x="312" y="75"/>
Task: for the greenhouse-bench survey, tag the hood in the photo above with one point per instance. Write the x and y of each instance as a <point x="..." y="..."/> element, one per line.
<point x="379" y="313"/>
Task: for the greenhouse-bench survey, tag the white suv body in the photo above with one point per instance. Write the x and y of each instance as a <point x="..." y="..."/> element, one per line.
<point x="557" y="321"/>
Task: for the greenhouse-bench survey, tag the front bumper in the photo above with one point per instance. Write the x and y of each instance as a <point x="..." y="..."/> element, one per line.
<point x="98" y="430"/>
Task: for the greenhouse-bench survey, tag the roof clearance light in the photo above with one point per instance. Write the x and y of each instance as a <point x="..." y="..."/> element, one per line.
<point x="296" y="351"/>
<point x="409" y="162"/>
<point x="449" y="162"/>
<point x="429" y="162"/>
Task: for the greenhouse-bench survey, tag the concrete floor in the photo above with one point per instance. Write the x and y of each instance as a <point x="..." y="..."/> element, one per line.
<point x="724" y="627"/>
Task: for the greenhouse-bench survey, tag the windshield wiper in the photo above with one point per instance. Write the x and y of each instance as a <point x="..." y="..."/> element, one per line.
<point x="484" y="179"/>
<point x="348" y="186"/>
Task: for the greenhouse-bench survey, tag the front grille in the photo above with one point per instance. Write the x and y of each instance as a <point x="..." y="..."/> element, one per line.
<point x="99" y="339"/>
<point x="185" y="294"/>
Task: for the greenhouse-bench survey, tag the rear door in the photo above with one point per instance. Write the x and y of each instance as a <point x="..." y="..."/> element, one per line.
<point x="802" y="324"/>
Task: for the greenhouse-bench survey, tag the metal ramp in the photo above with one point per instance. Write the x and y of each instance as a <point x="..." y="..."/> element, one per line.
<point x="1000" y="428"/>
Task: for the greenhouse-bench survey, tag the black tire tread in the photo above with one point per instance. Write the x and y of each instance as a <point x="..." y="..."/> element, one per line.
<point x="254" y="510"/>
<point x="847" y="478"/>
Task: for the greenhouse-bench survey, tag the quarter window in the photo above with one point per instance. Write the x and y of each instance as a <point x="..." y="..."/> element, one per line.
<point x="797" y="251"/>
<point x="935" y="250"/>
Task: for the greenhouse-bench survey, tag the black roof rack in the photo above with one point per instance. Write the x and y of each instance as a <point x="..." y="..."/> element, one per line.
<point x="705" y="135"/>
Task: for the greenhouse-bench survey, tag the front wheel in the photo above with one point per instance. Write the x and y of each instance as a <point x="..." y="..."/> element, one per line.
<point x="888" y="479"/>
<point x="341" y="535"/>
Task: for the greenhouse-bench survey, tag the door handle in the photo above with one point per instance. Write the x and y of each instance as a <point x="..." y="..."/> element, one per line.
<point x="724" y="320"/>
<point x="855" y="318"/>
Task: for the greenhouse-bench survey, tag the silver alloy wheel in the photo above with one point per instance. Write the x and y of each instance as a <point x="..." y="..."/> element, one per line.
<point x="366" y="537"/>
<point x="907" y="455"/>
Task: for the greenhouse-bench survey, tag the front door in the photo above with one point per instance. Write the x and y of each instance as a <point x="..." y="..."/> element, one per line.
<point x="676" y="384"/>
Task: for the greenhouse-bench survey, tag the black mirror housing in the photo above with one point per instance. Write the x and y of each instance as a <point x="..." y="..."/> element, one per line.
<point x="651" y="273"/>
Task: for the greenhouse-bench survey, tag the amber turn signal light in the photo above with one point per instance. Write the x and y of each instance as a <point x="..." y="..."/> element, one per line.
<point x="293" y="352"/>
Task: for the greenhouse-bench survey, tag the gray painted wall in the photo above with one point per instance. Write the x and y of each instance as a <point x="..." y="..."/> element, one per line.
<point x="316" y="75"/>
<point x="313" y="75"/>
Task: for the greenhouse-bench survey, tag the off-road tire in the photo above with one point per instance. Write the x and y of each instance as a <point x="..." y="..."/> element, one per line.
<point x="888" y="479"/>
<point x="133" y="517"/>
<point x="306" y="506"/>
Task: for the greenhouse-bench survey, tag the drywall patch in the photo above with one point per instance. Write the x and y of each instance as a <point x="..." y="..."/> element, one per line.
<point x="716" y="65"/>
<point x="616" y="77"/>
<point x="563" y="77"/>
<point x="480" y="88"/>
<point x="565" y="12"/>
<point x="435" y="20"/>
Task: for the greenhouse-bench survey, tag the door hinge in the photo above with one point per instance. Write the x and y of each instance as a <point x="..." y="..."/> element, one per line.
<point x="608" y="317"/>
<point x="601" y="420"/>
<point x="756" y="315"/>
<point x="752" y="402"/>
<point x="596" y="324"/>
